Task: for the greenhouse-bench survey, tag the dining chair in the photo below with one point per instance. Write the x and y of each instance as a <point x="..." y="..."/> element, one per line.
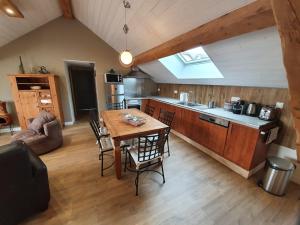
<point x="116" y="105"/>
<point x="167" y="118"/>
<point x="148" y="152"/>
<point x="149" y="110"/>
<point x="104" y="142"/>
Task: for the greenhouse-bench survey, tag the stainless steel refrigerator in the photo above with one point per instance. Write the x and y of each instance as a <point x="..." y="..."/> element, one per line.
<point x="114" y="94"/>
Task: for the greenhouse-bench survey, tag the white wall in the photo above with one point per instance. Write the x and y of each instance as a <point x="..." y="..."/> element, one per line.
<point x="253" y="59"/>
<point x="287" y="153"/>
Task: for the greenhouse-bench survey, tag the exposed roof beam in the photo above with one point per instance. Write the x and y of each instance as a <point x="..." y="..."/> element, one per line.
<point x="252" y="17"/>
<point x="287" y="16"/>
<point x="66" y="7"/>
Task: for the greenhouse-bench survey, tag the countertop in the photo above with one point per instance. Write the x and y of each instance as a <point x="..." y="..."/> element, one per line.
<point x="249" y="121"/>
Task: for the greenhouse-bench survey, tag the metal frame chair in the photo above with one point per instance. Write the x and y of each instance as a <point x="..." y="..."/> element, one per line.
<point x="149" y="110"/>
<point x="100" y="140"/>
<point x="167" y="118"/>
<point x="116" y="105"/>
<point x="147" y="153"/>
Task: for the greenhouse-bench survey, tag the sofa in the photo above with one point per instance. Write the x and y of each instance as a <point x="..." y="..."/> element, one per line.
<point x="43" y="135"/>
<point x="24" y="188"/>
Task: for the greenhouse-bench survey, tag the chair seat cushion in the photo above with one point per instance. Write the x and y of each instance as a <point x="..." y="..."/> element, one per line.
<point x="133" y="151"/>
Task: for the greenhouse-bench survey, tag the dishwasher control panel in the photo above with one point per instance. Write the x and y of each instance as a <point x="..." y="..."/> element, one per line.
<point x="215" y="120"/>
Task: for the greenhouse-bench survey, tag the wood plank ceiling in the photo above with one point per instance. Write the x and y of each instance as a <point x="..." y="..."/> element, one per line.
<point x="151" y="22"/>
<point x="36" y="13"/>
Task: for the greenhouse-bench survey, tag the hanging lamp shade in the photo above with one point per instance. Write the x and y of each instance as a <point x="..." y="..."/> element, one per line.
<point x="126" y="58"/>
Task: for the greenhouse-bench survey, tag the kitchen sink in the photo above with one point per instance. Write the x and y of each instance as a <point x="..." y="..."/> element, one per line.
<point x="191" y="104"/>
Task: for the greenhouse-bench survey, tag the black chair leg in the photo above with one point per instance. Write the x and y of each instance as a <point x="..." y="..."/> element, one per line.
<point x="102" y="159"/>
<point x="125" y="161"/>
<point x="137" y="183"/>
<point x="168" y="146"/>
<point x="162" y="172"/>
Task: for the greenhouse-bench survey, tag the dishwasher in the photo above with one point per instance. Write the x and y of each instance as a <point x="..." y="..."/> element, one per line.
<point x="215" y="120"/>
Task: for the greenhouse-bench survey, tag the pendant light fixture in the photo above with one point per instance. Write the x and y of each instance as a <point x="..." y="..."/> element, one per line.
<point x="126" y="57"/>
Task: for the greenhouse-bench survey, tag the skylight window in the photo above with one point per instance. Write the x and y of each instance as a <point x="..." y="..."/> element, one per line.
<point x="191" y="64"/>
<point x="194" y="55"/>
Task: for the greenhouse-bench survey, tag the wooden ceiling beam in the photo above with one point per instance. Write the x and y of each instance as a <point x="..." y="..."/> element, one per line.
<point x="66" y="6"/>
<point x="287" y="17"/>
<point x="255" y="16"/>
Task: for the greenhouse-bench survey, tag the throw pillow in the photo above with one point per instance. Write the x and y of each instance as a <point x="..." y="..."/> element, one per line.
<point x="38" y="122"/>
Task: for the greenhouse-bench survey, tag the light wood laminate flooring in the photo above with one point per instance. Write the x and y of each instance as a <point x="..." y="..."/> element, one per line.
<point x="198" y="190"/>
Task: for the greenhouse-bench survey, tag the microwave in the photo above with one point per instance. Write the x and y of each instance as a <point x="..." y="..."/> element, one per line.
<point x="113" y="78"/>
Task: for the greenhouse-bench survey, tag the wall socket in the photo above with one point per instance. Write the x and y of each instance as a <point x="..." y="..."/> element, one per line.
<point x="279" y="105"/>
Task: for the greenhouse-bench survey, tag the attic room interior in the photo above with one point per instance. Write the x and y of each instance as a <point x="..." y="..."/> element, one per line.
<point x="150" y="112"/>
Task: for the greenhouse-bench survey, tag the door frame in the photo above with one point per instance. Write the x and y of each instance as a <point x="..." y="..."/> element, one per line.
<point x="67" y="63"/>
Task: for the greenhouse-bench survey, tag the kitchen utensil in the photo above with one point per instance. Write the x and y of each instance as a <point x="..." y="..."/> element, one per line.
<point x="251" y="110"/>
<point x="211" y="104"/>
<point x="237" y="107"/>
<point x="184" y="97"/>
<point x="228" y="106"/>
<point x="267" y="113"/>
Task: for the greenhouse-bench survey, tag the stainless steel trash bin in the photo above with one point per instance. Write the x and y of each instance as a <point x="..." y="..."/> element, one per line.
<point x="277" y="176"/>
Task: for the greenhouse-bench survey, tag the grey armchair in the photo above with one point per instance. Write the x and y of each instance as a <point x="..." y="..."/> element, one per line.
<point x="48" y="139"/>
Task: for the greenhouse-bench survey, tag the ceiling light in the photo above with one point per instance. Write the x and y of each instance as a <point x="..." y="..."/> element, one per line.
<point x="126" y="57"/>
<point x="9" y="11"/>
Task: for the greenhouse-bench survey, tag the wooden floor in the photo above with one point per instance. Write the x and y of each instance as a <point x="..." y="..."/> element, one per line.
<point x="198" y="190"/>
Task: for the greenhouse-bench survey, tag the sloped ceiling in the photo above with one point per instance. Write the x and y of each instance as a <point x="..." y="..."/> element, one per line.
<point x="253" y="59"/>
<point x="151" y="22"/>
<point x="249" y="60"/>
<point x="36" y="13"/>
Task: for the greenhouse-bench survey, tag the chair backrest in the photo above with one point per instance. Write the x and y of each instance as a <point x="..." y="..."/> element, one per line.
<point x="151" y="146"/>
<point x="93" y="114"/>
<point x="116" y="106"/>
<point x="149" y="110"/>
<point x="95" y="129"/>
<point x="166" y="117"/>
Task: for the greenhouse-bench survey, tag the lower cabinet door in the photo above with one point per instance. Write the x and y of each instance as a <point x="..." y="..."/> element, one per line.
<point x="241" y="144"/>
<point x="216" y="138"/>
<point x="211" y="136"/>
<point x="29" y="101"/>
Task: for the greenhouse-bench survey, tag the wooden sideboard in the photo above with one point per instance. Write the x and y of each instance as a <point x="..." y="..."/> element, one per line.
<point x="30" y="102"/>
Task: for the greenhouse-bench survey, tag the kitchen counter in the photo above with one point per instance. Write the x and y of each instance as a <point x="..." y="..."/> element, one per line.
<point x="249" y="121"/>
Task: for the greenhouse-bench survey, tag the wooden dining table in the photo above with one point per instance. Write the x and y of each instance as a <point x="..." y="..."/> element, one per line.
<point x="120" y="130"/>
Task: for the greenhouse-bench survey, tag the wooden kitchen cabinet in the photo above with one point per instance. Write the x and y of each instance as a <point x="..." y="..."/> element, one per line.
<point x="210" y="135"/>
<point x="144" y="103"/>
<point x="214" y="137"/>
<point x="242" y="145"/>
<point x="177" y="124"/>
<point x="157" y="105"/>
<point x="243" y="148"/>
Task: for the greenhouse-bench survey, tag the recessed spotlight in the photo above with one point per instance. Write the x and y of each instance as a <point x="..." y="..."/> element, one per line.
<point x="9" y="11"/>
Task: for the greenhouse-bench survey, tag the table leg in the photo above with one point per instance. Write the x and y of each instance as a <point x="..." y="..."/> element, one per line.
<point x="118" y="164"/>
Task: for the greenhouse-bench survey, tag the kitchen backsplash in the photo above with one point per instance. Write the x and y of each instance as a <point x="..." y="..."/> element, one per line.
<point x="267" y="96"/>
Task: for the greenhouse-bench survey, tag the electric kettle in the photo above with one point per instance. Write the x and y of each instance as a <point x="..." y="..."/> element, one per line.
<point x="251" y="110"/>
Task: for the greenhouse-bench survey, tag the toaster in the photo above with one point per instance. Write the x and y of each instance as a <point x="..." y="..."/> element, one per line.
<point x="267" y="113"/>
